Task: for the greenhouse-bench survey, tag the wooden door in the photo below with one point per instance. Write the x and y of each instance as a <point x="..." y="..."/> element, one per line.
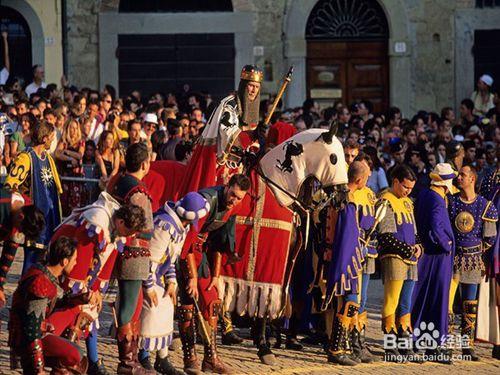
<point x="19" y="43"/>
<point x="348" y="71"/>
<point x="165" y="62"/>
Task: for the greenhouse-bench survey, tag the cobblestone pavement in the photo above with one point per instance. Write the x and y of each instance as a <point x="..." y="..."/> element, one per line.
<point x="243" y="358"/>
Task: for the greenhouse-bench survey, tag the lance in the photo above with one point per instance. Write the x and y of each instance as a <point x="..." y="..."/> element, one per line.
<point x="286" y="81"/>
<point x="204" y="330"/>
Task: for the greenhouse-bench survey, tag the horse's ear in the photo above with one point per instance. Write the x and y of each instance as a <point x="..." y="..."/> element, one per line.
<point x="328" y="136"/>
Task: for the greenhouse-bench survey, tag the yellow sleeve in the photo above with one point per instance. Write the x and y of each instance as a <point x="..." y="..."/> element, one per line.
<point x="55" y="173"/>
<point x="119" y="134"/>
<point x="19" y="172"/>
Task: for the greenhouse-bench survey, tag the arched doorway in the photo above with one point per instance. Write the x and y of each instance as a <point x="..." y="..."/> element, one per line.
<point x="347" y="57"/>
<point x="19" y="42"/>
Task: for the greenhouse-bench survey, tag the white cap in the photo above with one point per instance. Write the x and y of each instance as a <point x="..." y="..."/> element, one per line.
<point x="151" y="117"/>
<point x="486" y="78"/>
<point x="443" y="175"/>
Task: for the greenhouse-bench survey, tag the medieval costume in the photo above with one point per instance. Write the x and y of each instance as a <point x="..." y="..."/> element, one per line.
<point x="474" y="227"/>
<point x="171" y="226"/>
<point x="97" y="249"/>
<point x="132" y="269"/>
<point x="344" y="282"/>
<point x="37" y="177"/>
<point x="435" y="267"/>
<point x="228" y="144"/>
<point x="201" y="259"/>
<point x="488" y="324"/>
<point x="364" y="199"/>
<point x="229" y="134"/>
<point x="29" y="332"/>
<point x="11" y="237"/>
<point x="397" y="241"/>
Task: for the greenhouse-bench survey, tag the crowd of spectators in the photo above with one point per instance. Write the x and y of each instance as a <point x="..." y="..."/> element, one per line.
<point x="93" y="129"/>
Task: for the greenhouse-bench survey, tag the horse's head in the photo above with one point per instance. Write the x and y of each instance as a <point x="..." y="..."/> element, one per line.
<point x="322" y="156"/>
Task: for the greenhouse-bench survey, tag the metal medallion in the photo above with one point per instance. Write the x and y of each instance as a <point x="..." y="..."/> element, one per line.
<point x="464" y="222"/>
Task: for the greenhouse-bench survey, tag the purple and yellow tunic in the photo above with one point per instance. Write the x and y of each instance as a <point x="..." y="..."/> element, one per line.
<point x="397" y="236"/>
<point x="365" y="199"/>
<point x="474" y="227"/>
<point x="347" y="256"/>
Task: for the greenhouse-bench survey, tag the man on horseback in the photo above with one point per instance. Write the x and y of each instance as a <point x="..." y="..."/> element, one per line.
<point x="230" y="136"/>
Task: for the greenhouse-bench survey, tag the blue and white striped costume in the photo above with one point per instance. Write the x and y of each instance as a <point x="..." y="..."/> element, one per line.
<point x="166" y="246"/>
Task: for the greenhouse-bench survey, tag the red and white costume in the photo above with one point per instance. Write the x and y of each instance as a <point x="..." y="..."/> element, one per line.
<point x="97" y="249"/>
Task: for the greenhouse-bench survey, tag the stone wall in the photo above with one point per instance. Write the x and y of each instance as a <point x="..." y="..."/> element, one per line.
<point x="82" y="52"/>
<point x="431" y="44"/>
<point x="268" y="25"/>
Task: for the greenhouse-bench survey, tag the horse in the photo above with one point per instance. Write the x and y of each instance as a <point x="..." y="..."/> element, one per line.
<point x="271" y="215"/>
<point x="273" y="220"/>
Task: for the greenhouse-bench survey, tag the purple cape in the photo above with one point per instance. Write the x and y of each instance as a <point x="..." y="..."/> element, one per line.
<point x="494" y="253"/>
<point x="490" y="189"/>
<point x="435" y="267"/>
<point x="347" y="257"/>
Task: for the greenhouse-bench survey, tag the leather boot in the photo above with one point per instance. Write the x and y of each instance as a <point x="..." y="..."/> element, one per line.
<point x="264" y="351"/>
<point x="291" y="342"/>
<point x="79" y="368"/>
<point x="97" y="368"/>
<point x="164" y="367"/>
<point x="211" y="361"/>
<point x="187" y="333"/>
<point x="358" y="340"/>
<point x="127" y="337"/>
<point x="405" y="331"/>
<point x="359" y="349"/>
<point x="229" y="337"/>
<point x="469" y="317"/>
<point x="389" y="328"/>
<point x="495" y="352"/>
<point x="339" y="350"/>
<point x="146" y="363"/>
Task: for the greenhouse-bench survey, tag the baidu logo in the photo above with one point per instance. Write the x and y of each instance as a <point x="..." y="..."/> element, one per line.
<point x="426" y="336"/>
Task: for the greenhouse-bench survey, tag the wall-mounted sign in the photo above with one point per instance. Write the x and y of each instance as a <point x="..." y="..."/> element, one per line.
<point x="326" y="93"/>
<point x="400" y="47"/>
<point x="326" y="77"/>
<point x="49" y="41"/>
<point x="258" y="50"/>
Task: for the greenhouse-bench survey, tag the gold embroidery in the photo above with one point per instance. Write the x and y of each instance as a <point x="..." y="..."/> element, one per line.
<point x="402" y="207"/>
<point x="266" y="223"/>
<point x="365" y="198"/>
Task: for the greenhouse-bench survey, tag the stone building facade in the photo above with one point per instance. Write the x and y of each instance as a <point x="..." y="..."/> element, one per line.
<point x="429" y="43"/>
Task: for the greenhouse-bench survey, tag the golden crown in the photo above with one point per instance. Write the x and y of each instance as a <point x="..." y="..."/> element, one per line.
<point x="252" y="74"/>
